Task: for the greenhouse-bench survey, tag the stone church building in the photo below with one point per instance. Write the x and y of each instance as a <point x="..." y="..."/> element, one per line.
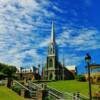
<point x="53" y="69"/>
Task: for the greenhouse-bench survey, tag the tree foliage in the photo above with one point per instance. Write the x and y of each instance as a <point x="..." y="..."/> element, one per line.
<point x="8" y="71"/>
<point x="80" y="78"/>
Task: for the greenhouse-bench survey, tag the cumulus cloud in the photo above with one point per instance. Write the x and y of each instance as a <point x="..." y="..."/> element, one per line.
<point x="72" y="41"/>
<point x="19" y="36"/>
<point x="80" y="39"/>
<point x="25" y="28"/>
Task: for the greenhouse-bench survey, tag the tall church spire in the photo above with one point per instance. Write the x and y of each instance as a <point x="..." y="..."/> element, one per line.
<point x="52" y="33"/>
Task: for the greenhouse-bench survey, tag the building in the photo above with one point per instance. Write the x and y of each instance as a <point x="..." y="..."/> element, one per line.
<point x="73" y="69"/>
<point x="28" y="74"/>
<point x="95" y="75"/>
<point x="24" y="74"/>
<point x="53" y="69"/>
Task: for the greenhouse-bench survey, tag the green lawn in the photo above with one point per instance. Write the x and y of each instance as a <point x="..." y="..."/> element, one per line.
<point x="73" y="86"/>
<point x="7" y="94"/>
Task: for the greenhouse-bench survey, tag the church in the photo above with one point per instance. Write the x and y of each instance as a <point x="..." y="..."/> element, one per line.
<point x="54" y="70"/>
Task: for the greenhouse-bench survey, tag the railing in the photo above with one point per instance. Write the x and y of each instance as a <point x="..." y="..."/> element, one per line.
<point x="55" y="93"/>
<point x="22" y="86"/>
<point x="31" y="91"/>
<point x="65" y="95"/>
<point x="75" y="96"/>
<point x="83" y="97"/>
<point x="52" y="92"/>
<point x="68" y="96"/>
<point x="34" y="86"/>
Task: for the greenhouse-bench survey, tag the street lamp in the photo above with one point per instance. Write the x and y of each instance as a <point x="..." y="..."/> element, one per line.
<point x="88" y="59"/>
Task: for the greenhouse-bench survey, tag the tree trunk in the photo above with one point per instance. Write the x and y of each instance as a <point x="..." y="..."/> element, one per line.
<point x="9" y="83"/>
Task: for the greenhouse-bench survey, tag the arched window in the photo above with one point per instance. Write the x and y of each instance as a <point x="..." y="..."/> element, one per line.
<point x="51" y="50"/>
<point x="51" y="63"/>
<point x="51" y="76"/>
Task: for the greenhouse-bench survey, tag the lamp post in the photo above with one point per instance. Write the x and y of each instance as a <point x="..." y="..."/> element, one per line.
<point x="88" y="59"/>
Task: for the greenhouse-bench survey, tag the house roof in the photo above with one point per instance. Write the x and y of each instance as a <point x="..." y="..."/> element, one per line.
<point x="72" y="67"/>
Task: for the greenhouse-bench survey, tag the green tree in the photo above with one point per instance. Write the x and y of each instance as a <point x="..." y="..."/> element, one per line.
<point x="9" y="71"/>
<point x="80" y="78"/>
<point x="2" y="75"/>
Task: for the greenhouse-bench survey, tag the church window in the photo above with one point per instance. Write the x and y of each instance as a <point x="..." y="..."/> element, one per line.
<point x="51" y="63"/>
<point x="51" y="76"/>
<point x="51" y="50"/>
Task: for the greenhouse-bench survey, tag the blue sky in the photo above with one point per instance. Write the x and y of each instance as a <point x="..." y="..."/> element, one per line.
<point x="25" y="27"/>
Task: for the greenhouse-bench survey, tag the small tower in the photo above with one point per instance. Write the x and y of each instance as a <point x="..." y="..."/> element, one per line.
<point x="52" y="58"/>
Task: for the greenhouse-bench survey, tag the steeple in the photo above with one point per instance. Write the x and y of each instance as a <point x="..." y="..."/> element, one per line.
<point x="52" y="33"/>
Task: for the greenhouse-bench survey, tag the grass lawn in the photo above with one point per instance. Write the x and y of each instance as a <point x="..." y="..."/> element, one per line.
<point x="73" y="86"/>
<point x="7" y="94"/>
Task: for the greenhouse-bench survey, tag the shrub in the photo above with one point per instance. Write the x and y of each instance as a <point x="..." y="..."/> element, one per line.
<point x="80" y="78"/>
<point x="17" y="89"/>
<point x="49" y="98"/>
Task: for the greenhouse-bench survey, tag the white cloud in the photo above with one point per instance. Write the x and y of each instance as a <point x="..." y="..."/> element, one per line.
<point x="20" y="21"/>
<point x="57" y="9"/>
<point x="24" y="29"/>
<point x="72" y="41"/>
<point x="81" y="39"/>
